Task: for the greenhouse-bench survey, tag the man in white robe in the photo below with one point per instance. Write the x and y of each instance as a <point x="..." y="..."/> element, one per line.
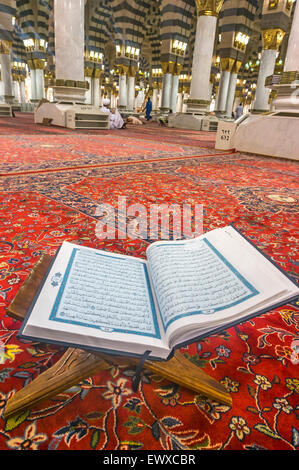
<point x="116" y="121"/>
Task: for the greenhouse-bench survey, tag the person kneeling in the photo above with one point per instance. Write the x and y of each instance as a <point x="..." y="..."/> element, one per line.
<point x="116" y="121"/>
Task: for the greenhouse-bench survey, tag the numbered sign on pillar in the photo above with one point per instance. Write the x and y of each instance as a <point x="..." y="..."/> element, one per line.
<point x="225" y="135"/>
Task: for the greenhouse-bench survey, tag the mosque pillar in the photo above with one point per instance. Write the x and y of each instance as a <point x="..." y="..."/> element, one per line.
<point x="232" y="88"/>
<point x="272" y="39"/>
<point x="88" y="71"/>
<point x="179" y="108"/>
<point x="288" y="89"/>
<point x="6" y="74"/>
<point x="231" y="94"/>
<point x="200" y="96"/>
<point x="39" y="78"/>
<point x="175" y="87"/>
<point x="22" y="91"/>
<point x="167" y="68"/>
<point x="96" y="89"/>
<point x="123" y="87"/>
<point x="122" y="93"/>
<point x="69" y="84"/>
<point x="155" y="98"/>
<point x="32" y="83"/>
<point x="16" y="91"/>
<point x="1" y="87"/>
<point x="131" y="93"/>
<point x="131" y="89"/>
<point x="292" y="55"/>
<point x="160" y="99"/>
<point x="226" y="64"/>
<point x="274" y="23"/>
<point x="276" y="135"/>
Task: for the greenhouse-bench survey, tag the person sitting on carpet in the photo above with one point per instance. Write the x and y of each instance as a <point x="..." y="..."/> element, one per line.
<point x="134" y="120"/>
<point x="116" y="121"/>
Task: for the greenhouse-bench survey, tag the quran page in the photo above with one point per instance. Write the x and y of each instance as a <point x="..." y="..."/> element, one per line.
<point x="206" y="282"/>
<point x="98" y="299"/>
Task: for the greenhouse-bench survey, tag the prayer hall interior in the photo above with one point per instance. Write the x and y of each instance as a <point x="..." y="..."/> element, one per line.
<point x="167" y="102"/>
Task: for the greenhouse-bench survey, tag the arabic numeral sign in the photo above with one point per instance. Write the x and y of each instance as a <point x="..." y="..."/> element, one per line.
<point x="225" y="134"/>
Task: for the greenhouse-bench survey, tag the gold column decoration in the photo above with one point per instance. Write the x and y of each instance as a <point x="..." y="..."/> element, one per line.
<point x="226" y="64"/>
<point x="236" y="67"/>
<point x="168" y="67"/>
<point x="88" y="71"/>
<point x="30" y="64"/>
<point x="177" y="69"/>
<point x="208" y="7"/>
<point x="39" y="64"/>
<point x="5" y="46"/>
<point x="132" y="70"/>
<point x="35" y="64"/>
<point x="97" y="73"/>
<point x="272" y="38"/>
<point x="122" y="69"/>
<point x="273" y="4"/>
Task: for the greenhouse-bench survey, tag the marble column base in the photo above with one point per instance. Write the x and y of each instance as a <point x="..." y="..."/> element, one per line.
<point x="197" y="106"/>
<point x="259" y="111"/>
<point x="69" y="94"/>
<point x="195" y="122"/>
<point x="164" y="110"/>
<point x="287" y="97"/>
<point x="5" y="110"/>
<point x="282" y="135"/>
<point x="8" y="99"/>
<point x="64" y="115"/>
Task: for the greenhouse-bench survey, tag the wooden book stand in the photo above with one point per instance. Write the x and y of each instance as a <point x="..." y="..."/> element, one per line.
<point x="76" y="364"/>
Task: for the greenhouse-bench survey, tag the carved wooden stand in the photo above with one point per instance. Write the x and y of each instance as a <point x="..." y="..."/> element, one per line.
<point x="77" y="364"/>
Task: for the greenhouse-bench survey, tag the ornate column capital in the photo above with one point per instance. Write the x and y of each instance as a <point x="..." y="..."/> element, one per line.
<point x="236" y="67"/>
<point x="88" y="71"/>
<point x="227" y="64"/>
<point x="168" y="67"/>
<point x="5" y="46"/>
<point x="177" y="69"/>
<point x="35" y="64"/>
<point x="272" y="38"/>
<point x="39" y="64"/>
<point x="122" y="69"/>
<point x="132" y="71"/>
<point x="97" y="73"/>
<point x="208" y="7"/>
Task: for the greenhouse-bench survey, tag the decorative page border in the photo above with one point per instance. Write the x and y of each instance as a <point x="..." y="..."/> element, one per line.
<point x="253" y="290"/>
<point x="63" y="284"/>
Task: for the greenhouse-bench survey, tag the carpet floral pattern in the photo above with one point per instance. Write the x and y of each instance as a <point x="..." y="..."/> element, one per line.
<point x="256" y="361"/>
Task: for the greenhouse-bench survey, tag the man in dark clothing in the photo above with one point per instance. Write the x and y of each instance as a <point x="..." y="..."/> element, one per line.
<point x="148" y="109"/>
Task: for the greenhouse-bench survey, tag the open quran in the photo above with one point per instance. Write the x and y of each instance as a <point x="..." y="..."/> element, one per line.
<point x="182" y="292"/>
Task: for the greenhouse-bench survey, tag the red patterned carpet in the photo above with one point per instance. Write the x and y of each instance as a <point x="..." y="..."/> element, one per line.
<point x="24" y="124"/>
<point x="50" y="185"/>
